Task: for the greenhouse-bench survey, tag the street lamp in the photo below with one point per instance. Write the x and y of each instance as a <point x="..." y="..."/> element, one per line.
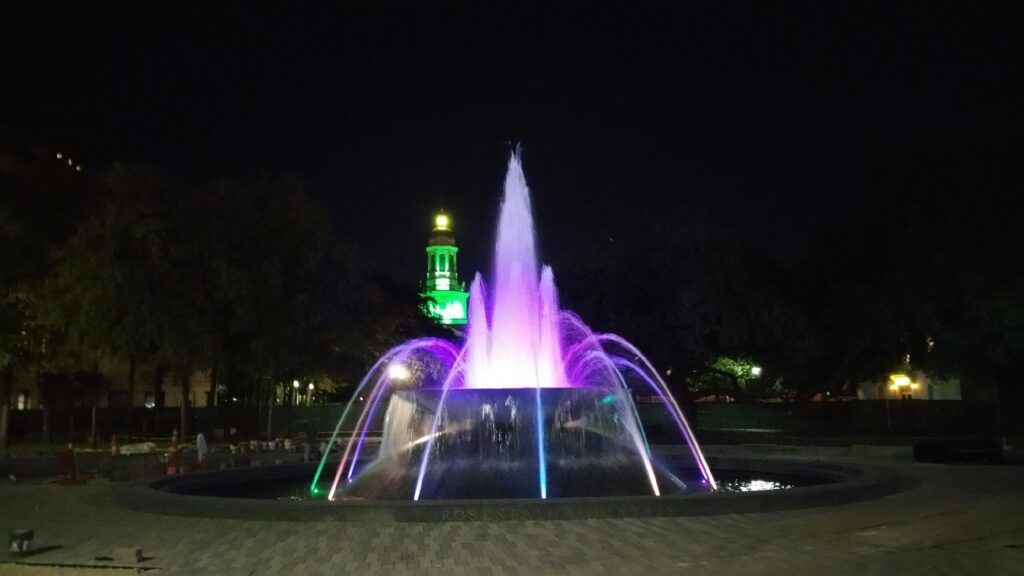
<point x="398" y="372"/>
<point x="309" y="395"/>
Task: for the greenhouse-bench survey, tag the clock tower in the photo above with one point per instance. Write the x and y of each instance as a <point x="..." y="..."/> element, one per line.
<point x="444" y="294"/>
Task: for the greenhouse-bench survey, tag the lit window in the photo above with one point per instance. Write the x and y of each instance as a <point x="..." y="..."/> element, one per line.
<point x="451" y="312"/>
<point x="444" y="284"/>
<point x="24" y="400"/>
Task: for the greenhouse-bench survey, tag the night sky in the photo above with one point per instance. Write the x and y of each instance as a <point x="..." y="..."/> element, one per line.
<point x="778" y="119"/>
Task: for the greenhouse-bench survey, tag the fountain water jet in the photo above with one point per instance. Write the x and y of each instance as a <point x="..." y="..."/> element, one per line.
<point x="465" y="413"/>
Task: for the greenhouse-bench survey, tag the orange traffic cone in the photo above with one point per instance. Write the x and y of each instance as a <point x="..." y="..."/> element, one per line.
<point x="68" y="464"/>
<point x="173" y="457"/>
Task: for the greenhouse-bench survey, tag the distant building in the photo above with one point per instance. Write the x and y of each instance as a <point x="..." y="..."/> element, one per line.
<point x="444" y="294"/>
<point x="914" y="385"/>
<point x="105" y="385"/>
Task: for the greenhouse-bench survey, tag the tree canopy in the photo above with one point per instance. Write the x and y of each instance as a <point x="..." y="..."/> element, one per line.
<point x="923" y="267"/>
<point x="244" y="278"/>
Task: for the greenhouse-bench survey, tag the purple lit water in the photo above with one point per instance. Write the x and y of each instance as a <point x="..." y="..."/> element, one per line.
<point x="531" y="388"/>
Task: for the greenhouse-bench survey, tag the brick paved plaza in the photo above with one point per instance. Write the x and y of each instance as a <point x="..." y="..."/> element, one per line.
<point x="955" y="520"/>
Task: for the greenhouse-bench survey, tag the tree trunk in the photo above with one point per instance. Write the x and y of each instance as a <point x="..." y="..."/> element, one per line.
<point x="248" y="400"/>
<point x="92" y="429"/>
<point x="261" y="399"/>
<point x="214" y="379"/>
<point x="289" y="399"/>
<point x="186" y="389"/>
<point x="4" y="416"/>
<point x="46" y="424"/>
<point x="270" y="422"/>
<point x="131" y="395"/>
<point x="158" y="388"/>
<point x="6" y="385"/>
<point x="131" y="382"/>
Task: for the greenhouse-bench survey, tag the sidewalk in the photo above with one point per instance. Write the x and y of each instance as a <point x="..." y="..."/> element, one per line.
<point x="957" y="520"/>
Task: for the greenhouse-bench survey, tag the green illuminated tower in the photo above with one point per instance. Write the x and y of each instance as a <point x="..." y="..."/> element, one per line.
<point x="445" y="296"/>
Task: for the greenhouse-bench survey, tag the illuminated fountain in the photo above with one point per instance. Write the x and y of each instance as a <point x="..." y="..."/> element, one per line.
<point x="534" y="404"/>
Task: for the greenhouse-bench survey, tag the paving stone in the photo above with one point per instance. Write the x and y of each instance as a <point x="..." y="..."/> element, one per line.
<point x="958" y="520"/>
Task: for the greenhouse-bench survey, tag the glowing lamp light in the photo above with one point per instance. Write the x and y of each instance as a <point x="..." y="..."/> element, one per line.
<point x="295" y="384"/>
<point x="311" y="386"/>
<point x="901" y="382"/>
<point x="398" y="372"/>
<point x="441" y="222"/>
<point x="755" y="371"/>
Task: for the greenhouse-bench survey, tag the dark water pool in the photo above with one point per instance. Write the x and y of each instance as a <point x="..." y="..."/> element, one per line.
<point x="603" y="483"/>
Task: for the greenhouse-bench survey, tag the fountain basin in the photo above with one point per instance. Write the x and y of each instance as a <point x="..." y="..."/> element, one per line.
<point x="487" y="447"/>
<point x="830" y="484"/>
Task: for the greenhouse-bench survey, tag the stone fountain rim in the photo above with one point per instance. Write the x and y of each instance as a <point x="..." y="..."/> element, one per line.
<point x="848" y="483"/>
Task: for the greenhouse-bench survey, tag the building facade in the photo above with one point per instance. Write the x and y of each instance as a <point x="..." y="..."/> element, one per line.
<point x="107" y="386"/>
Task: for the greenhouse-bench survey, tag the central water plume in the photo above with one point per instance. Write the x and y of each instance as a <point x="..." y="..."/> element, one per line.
<point x="534" y="403"/>
<point x="515" y="343"/>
